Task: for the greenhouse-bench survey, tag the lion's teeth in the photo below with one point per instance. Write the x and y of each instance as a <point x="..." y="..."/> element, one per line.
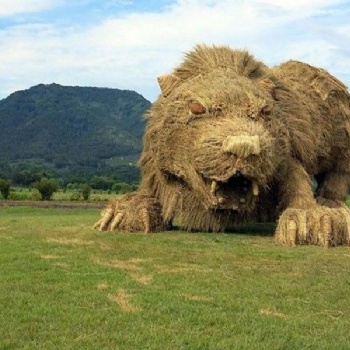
<point x="213" y="187"/>
<point x="255" y="188"/>
<point x="221" y="200"/>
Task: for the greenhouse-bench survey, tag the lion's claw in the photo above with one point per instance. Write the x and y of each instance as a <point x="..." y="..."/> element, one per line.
<point x="132" y="212"/>
<point x="321" y="226"/>
<point x="116" y="221"/>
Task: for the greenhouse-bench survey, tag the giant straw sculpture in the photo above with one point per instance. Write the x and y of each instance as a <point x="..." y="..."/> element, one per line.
<point x="230" y="139"/>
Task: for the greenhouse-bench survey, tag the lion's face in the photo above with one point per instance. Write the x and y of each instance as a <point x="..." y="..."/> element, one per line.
<point x="216" y="139"/>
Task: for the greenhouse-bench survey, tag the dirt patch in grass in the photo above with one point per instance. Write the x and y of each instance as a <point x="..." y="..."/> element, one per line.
<point x="180" y="268"/>
<point x="137" y="270"/>
<point x="122" y="298"/>
<point x="60" y="264"/>
<point x="102" y="286"/>
<point x="70" y="241"/>
<point x="274" y="313"/>
<point x="104" y="246"/>
<point x="143" y="279"/>
<point x="50" y="256"/>
<point x="130" y="265"/>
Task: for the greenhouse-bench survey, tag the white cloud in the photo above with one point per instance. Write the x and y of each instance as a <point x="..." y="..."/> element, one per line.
<point x="12" y="7"/>
<point x="130" y="50"/>
<point x="298" y="5"/>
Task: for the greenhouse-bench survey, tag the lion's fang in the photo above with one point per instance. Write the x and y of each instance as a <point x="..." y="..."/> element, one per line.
<point x="255" y="188"/>
<point x="213" y="187"/>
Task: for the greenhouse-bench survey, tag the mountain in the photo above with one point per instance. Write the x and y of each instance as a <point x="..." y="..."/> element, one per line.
<point x="64" y="126"/>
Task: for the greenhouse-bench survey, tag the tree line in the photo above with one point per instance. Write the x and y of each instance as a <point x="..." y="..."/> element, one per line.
<point x="47" y="180"/>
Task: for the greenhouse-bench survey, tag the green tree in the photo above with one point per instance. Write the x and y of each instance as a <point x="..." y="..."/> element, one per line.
<point x="46" y="187"/>
<point x="122" y="188"/>
<point x="85" y="191"/>
<point x="101" y="182"/>
<point x="5" y="186"/>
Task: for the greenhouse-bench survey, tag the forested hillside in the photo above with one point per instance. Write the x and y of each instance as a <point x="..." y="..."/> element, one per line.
<point x="71" y="132"/>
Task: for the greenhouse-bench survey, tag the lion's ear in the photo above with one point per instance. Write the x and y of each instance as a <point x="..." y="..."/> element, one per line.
<point x="167" y="83"/>
<point x="268" y="85"/>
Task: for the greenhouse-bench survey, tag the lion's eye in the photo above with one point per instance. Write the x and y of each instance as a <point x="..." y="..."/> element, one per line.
<point x="196" y="108"/>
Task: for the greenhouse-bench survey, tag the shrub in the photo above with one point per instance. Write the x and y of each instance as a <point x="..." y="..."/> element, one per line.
<point x="35" y="196"/>
<point x="86" y="191"/>
<point x="5" y="188"/>
<point x="75" y="196"/>
<point x="72" y="186"/>
<point x="101" y="182"/>
<point x="46" y="187"/>
<point x="97" y="199"/>
<point x="122" y="188"/>
<point x="14" y="196"/>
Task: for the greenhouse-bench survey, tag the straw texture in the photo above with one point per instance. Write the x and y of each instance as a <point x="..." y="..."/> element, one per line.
<point x="230" y="139"/>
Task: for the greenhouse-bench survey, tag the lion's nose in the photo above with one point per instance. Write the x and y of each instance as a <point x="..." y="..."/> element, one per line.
<point x="242" y="146"/>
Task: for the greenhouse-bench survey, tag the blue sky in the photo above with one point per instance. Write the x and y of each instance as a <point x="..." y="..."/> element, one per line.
<point x="126" y="44"/>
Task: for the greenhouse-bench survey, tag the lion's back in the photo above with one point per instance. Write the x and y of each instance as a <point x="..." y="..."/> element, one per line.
<point x="327" y="101"/>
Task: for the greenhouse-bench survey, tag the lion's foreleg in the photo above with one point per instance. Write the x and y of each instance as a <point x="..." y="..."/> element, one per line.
<point x="295" y="187"/>
<point x="303" y="220"/>
<point x="137" y="211"/>
<point x="333" y="189"/>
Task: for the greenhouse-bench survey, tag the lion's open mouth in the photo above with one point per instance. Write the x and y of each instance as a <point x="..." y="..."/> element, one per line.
<point x="238" y="192"/>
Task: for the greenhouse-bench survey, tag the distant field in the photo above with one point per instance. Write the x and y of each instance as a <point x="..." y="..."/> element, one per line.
<point x="68" y="195"/>
<point x="95" y="196"/>
<point x="65" y="286"/>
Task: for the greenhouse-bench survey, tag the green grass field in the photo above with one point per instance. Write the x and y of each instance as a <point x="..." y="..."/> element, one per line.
<point x="65" y="286"/>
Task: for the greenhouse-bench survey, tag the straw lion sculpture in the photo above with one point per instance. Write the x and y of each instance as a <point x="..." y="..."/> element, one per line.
<point x="230" y="139"/>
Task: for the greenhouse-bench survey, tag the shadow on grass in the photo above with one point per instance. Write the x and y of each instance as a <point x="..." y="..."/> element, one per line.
<point x="254" y="229"/>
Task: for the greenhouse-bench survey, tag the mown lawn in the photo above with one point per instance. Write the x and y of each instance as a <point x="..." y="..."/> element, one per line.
<point x="65" y="286"/>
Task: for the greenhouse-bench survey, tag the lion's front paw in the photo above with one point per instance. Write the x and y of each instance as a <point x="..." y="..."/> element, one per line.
<point x="320" y="226"/>
<point x="132" y="212"/>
